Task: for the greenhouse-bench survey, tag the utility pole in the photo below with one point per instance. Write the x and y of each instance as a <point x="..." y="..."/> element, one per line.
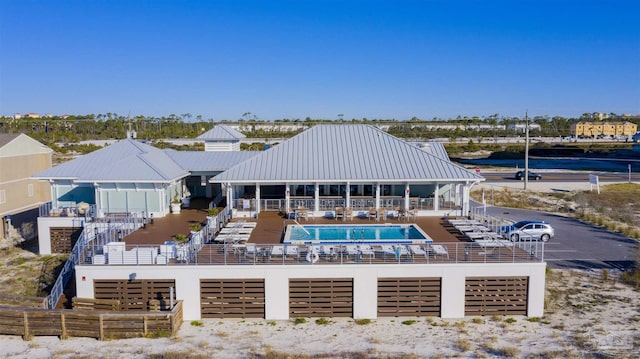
<point x="526" y="149"/>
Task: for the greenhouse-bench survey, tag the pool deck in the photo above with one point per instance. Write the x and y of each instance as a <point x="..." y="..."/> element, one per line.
<point x="270" y="226"/>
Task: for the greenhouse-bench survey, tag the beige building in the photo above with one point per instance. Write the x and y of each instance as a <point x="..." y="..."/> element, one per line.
<point x="604" y="128"/>
<point x="20" y="157"/>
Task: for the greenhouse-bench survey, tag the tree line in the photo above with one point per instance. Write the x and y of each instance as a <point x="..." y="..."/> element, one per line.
<point x="76" y="128"/>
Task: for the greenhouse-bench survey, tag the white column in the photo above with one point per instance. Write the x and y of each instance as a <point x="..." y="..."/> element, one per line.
<point x="257" y="199"/>
<point x="365" y="295"/>
<point x="96" y="194"/>
<point x="316" y="198"/>
<point x="348" y="196"/>
<point x="276" y="296"/>
<point x="378" y="195"/>
<point x="465" y="199"/>
<point x="535" y="297"/>
<point x="287" y="197"/>
<point x="436" y="198"/>
<point x="229" y="196"/>
<point x="452" y="302"/>
<point x="406" y="196"/>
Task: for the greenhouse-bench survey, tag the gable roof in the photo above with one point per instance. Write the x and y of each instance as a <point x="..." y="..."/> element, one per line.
<point x="345" y="153"/>
<point x="5" y="138"/>
<point x="221" y="132"/>
<point x="19" y="144"/>
<point x="124" y="161"/>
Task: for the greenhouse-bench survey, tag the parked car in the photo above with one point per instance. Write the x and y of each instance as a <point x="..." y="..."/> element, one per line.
<point x="529" y="229"/>
<point x="532" y="175"/>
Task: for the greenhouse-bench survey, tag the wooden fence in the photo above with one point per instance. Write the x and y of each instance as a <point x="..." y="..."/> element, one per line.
<point x="9" y="300"/>
<point x="102" y="325"/>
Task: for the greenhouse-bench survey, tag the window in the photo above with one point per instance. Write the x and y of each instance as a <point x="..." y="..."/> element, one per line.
<point x="30" y="190"/>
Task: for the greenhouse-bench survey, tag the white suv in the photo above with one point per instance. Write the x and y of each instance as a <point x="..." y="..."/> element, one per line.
<point x="528" y="230"/>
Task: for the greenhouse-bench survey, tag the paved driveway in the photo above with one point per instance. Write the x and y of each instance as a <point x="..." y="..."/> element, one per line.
<point x="576" y="244"/>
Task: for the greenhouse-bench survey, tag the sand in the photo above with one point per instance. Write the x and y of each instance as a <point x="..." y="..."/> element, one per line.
<point x="586" y="315"/>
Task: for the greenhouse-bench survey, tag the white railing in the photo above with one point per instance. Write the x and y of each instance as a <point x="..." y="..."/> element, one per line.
<point x="93" y="234"/>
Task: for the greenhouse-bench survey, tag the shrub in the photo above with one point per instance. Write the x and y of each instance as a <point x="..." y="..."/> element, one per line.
<point x="196" y="323"/>
<point x="362" y="321"/>
<point x="464" y="345"/>
<point x="322" y="321"/>
<point x="299" y="321"/>
<point x="409" y="322"/>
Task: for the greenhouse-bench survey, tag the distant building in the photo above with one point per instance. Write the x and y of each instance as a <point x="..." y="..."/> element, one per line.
<point x="20" y="157"/>
<point x="592" y="129"/>
<point x="221" y="138"/>
<point x="521" y="127"/>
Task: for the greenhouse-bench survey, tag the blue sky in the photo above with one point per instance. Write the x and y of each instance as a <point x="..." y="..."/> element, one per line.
<point x="293" y="59"/>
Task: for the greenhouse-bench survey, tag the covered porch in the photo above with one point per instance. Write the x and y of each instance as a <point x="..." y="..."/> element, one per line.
<point x="393" y="200"/>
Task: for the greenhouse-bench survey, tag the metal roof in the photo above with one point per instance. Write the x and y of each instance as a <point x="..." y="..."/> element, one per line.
<point x="221" y="132"/>
<point x="198" y="161"/>
<point x="437" y="149"/>
<point x="345" y="153"/>
<point x="124" y="161"/>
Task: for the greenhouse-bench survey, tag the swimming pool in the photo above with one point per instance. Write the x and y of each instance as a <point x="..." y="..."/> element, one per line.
<point x="345" y="234"/>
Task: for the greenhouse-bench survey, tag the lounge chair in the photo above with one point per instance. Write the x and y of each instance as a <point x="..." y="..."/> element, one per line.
<point x="366" y="250"/>
<point x="250" y="250"/>
<point x="328" y="252"/>
<point x="292" y="250"/>
<point x="400" y="251"/>
<point x="417" y="250"/>
<point x="387" y="249"/>
<point x="352" y="250"/>
<point x="440" y="250"/>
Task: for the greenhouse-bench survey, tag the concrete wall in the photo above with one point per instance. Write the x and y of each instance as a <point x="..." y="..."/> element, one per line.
<point x="364" y="276"/>
<point x="44" y="227"/>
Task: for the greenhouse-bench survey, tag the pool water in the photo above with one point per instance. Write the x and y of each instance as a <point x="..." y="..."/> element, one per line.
<point x="387" y="233"/>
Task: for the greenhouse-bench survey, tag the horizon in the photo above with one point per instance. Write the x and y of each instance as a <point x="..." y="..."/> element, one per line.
<point x="326" y="60"/>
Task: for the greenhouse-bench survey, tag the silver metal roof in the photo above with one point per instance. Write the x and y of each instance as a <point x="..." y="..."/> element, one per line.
<point x="345" y="153"/>
<point x="437" y="149"/>
<point x="221" y="132"/>
<point x="124" y="161"/>
<point x="217" y="161"/>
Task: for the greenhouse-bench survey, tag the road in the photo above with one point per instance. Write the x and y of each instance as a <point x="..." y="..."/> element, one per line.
<point x="561" y="176"/>
<point x="576" y="245"/>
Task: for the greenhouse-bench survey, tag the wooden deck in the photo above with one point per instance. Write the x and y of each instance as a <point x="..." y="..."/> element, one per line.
<point x="270" y="227"/>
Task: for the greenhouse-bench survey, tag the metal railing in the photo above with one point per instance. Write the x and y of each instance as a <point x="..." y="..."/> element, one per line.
<point x="196" y="252"/>
<point x="93" y="234"/>
<point x="71" y="210"/>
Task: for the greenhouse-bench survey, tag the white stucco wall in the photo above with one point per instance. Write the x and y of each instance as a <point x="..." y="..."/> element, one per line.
<point x="44" y="229"/>
<point x="364" y="276"/>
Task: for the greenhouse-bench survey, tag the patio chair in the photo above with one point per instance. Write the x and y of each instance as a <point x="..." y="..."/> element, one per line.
<point x="348" y="213"/>
<point x="339" y="213"/>
<point x="381" y="214"/>
<point x="373" y="214"/>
